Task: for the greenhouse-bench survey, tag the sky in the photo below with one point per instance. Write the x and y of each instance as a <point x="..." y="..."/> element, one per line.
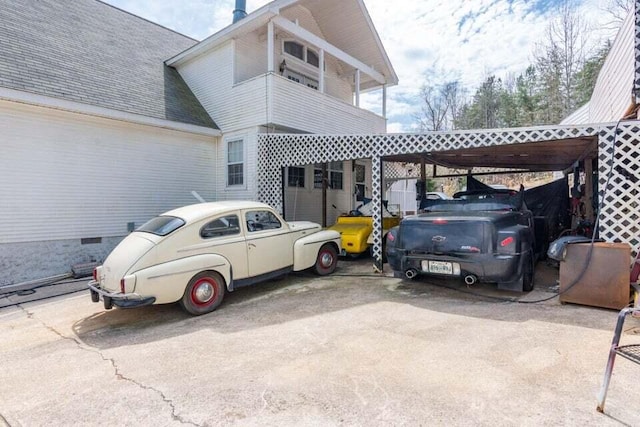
<point x="426" y="40"/>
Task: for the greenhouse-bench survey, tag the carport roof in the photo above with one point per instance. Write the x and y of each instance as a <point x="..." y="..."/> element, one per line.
<point x="552" y="155"/>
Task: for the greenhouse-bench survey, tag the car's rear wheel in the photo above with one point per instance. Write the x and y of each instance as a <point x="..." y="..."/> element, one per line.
<point x="528" y="270"/>
<point x="327" y="260"/>
<point x="204" y="293"/>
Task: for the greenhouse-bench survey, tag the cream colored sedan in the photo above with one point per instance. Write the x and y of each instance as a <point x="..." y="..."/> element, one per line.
<point x="197" y="253"/>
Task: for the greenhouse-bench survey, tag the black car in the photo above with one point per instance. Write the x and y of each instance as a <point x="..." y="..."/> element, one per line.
<point x="484" y="235"/>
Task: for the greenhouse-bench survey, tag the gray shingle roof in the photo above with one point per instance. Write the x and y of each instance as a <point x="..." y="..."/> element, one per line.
<point x="90" y="52"/>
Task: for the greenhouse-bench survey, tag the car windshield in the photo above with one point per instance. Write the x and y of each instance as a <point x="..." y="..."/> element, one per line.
<point x="476" y="201"/>
<point x="466" y="206"/>
<point x="161" y="225"/>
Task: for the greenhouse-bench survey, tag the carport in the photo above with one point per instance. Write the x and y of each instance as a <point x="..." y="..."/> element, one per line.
<point x="535" y="149"/>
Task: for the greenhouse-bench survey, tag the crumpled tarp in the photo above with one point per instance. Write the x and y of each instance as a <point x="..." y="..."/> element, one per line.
<point x="549" y="204"/>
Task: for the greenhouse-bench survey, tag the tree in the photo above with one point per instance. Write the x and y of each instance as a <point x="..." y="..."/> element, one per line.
<point x="559" y="58"/>
<point x="440" y="106"/>
<point x="482" y="112"/>
<point x="618" y="10"/>
<point x="434" y="108"/>
<point x="527" y="98"/>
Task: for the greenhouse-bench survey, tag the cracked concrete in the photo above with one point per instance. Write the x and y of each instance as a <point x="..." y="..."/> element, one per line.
<point x="320" y="351"/>
<point x="116" y="369"/>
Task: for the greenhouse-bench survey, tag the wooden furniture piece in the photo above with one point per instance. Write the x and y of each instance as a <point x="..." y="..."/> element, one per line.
<point x="605" y="282"/>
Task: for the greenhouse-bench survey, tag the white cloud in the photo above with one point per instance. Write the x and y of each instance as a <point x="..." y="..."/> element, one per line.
<point x="438" y="39"/>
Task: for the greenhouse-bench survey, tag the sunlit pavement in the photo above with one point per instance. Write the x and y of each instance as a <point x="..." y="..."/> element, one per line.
<point x="352" y="348"/>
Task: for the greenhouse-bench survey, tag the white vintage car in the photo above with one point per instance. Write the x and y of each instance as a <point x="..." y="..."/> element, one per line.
<point x="196" y="253"/>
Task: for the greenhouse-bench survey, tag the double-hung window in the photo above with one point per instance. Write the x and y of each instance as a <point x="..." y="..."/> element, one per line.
<point x="295" y="177"/>
<point x="335" y="176"/>
<point x="235" y="162"/>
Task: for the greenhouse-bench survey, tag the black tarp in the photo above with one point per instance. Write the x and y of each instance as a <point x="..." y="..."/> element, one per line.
<point x="549" y="204"/>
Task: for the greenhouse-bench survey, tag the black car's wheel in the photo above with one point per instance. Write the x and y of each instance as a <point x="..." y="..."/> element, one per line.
<point x="528" y="271"/>
<point x="326" y="261"/>
<point x="204" y="293"/>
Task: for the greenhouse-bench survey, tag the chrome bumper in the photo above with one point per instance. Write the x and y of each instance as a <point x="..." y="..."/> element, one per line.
<point x="116" y="298"/>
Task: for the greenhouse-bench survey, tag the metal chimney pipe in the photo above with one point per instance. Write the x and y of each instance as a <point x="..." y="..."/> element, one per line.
<point x="240" y="11"/>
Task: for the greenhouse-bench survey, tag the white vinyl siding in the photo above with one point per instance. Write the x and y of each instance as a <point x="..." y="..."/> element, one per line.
<point x="72" y="176"/>
<point x="249" y="189"/>
<point x="250" y="57"/>
<point x="612" y="95"/>
<point x="233" y="107"/>
<point x="299" y="107"/>
<point x="244" y="104"/>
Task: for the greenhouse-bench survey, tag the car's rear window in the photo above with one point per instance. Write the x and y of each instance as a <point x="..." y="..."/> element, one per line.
<point x="446" y="236"/>
<point x="162" y="225"/>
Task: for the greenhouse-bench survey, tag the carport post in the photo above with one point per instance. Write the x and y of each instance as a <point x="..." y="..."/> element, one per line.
<point x="376" y="196"/>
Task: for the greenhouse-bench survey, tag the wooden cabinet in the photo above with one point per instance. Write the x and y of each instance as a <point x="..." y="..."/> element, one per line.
<point x="606" y="280"/>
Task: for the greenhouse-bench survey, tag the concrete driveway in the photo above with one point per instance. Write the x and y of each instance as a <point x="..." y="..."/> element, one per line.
<point x="343" y="350"/>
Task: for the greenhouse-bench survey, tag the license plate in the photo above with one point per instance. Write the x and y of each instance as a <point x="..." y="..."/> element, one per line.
<point x="437" y="267"/>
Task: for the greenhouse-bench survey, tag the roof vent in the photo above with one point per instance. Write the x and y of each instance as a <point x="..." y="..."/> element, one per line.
<point x="240" y="11"/>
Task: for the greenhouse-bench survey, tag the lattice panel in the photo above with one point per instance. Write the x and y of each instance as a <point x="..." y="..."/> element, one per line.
<point x="636" y="86"/>
<point x="376" y="195"/>
<point x="395" y="170"/>
<point x="620" y="220"/>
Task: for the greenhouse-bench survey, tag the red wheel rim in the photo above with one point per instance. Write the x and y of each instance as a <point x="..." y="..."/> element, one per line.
<point x="326" y="259"/>
<point x="204" y="292"/>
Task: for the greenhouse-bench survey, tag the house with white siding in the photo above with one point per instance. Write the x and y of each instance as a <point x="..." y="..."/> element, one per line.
<point x="107" y="119"/>
<point x="613" y="95"/>
<point x="292" y="67"/>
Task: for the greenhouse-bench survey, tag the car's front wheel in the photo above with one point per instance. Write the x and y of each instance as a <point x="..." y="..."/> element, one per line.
<point x="327" y="260"/>
<point x="204" y="293"/>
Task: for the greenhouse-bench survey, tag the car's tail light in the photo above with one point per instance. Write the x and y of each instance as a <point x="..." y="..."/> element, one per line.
<point x="506" y="242"/>
<point x="440" y="221"/>
<point x="391" y="237"/>
<point x="95" y="274"/>
<point x="128" y="284"/>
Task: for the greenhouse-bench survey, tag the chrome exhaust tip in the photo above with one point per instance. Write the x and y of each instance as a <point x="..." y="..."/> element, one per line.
<point x="411" y="273"/>
<point x="470" y="279"/>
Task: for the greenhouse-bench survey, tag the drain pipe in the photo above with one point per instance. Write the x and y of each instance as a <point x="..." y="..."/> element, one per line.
<point x="240" y="11"/>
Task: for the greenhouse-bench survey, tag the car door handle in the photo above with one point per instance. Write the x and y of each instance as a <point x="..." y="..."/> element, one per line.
<point x="251" y="245"/>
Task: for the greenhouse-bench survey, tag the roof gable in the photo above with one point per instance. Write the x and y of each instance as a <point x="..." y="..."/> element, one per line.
<point x="93" y="53"/>
<point x="345" y="24"/>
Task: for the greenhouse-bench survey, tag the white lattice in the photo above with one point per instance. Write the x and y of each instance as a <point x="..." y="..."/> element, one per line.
<point x="636" y="86"/>
<point x="620" y="207"/>
<point x="619" y="220"/>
